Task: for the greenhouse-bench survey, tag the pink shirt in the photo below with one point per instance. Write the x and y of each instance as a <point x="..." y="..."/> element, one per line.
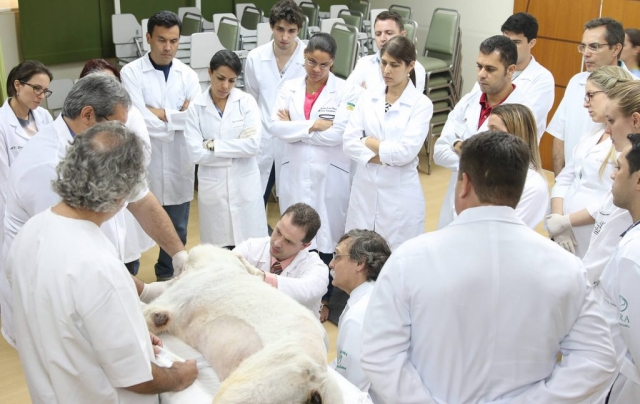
<point x="309" y="100"/>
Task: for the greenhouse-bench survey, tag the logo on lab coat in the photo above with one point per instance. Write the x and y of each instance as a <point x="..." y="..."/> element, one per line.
<point x="624" y="318"/>
<point x="350" y="106"/>
<point x="339" y="362"/>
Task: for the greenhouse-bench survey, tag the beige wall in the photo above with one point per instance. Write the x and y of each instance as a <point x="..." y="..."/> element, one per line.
<point x="478" y="21"/>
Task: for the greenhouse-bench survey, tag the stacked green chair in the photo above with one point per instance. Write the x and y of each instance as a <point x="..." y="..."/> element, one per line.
<point x="251" y="17"/>
<point x="312" y="11"/>
<point x="404" y="11"/>
<point x="346" y="37"/>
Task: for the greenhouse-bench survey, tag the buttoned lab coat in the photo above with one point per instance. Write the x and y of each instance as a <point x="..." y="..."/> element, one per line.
<point x="229" y="194"/>
<point x="478" y="311"/>
<point x="29" y="193"/>
<point x="347" y="363"/>
<point x="263" y="81"/>
<point x="388" y="197"/>
<point x="538" y="86"/>
<point x="618" y="292"/>
<point x="581" y="185"/>
<point x="305" y="279"/>
<point x="314" y="168"/>
<point x="368" y="70"/>
<point x="12" y="139"/>
<point x="171" y="173"/>
<point x="462" y="123"/>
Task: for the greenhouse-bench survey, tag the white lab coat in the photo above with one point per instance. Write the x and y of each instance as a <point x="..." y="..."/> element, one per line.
<point x="229" y="194"/>
<point x="82" y="337"/>
<point x="538" y="86"/>
<point x="349" y="335"/>
<point x="263" y="81"/>
<point x="369" y="72"/>
<point x="533" y="203"/>
<point x="580" y="184"/>
<point x="477" y="312"/>
<point x="462" y="123"/>
<point x="171" y="174"/>
<point x="305" y="279"/>
<point x="12" y="139"/>
<point x="29" y="193"/>
<point x="611" y="222"/>
<point x="136" y="240"/>
<point x="314" y="168"/>
<point x="388" y="197"/>
<point x="618" y="291"/>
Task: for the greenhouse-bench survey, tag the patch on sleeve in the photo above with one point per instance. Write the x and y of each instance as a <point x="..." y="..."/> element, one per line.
<point x="350" y="106"/>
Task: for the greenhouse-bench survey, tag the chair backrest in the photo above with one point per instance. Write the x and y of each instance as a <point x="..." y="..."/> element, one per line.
<point x="360" y="5"/>
<point x="303" y="32"/>
<point x="125" y="30"/>
<point x="327" y="24"/>
<point x="60" y="88"/>
<point x="335" y="9"/>
<point x="352" y="17"/>
<point x="183" y="10"/>
<point x="191" y="24"/>
<point x="240" y="9"/>
<point x="404" y="11"/>
<point x="263" y="33"/>
<point x="229" y="33"/>
<point x="217" y="17"/>
<point x="311" y="10"/>
<point x="251" y="17"/>
<point x="203" y="46"/>
<point x="346" y="37"/>
<point x="412" y="29"/>
<point x="442" y="37"/>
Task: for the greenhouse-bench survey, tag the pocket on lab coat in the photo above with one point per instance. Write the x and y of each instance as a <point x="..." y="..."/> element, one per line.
<point x="249" y="188"/>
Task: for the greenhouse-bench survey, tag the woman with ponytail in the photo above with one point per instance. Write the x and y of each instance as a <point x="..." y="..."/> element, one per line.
<point x="385" y="133"/>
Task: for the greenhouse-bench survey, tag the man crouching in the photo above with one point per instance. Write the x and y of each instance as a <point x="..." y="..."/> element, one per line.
<point x="80" y="333"/>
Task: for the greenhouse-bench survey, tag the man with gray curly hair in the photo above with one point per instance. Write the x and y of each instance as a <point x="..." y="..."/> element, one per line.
<point x="93" y="99"/>
<point x="356" y="264"/>
<point x="81" y="335"/>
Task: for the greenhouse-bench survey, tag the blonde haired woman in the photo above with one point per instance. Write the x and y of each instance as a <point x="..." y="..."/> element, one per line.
<point x="519" y="121"/>
<point x="583" y="183"/>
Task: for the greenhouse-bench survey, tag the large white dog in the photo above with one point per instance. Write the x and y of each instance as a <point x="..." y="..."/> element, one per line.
<point x="264" y="346"/>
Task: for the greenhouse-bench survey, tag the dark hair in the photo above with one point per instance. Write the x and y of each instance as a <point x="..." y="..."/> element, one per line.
<point x="166" y="19"/>
<point x="322" y="42"/>
<point x="368" y="247"/>
<point x="99" y="65"/>
<point x="505" y="46"/>
<point x="286" y="10"/>
<point x="303" y="215"/>
<point x="633" y="157"/>
<point x="24" y="72"/>
<point x="496" y="164"/>
<point x="226" y="58"/>
<point x="402" y="49"/>
<point x="390" y="15"/>
<point x="614" y="32"/>
<point x="521" y="23"/>
<point x="634" y="38"/>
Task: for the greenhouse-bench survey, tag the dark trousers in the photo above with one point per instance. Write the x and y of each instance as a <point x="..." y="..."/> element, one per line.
<point x="270" y="183"/>
<point x="179" y="215"/>
<point x="326" y="258"/>
<point x="133" y="267"/>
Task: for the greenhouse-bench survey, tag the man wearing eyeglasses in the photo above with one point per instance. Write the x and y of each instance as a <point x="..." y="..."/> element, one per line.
<point x="284" y="261"/>
<point x="357" y="262"/>
<point x="601" y="45"/>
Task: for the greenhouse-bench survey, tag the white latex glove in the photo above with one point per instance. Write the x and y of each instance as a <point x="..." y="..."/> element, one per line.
<point x="557" y="223"/>
<point x="178" y="261"/>
<point x="566" y="240"/>
<point x="153" y="290"/>
<point x="247" y="132"/>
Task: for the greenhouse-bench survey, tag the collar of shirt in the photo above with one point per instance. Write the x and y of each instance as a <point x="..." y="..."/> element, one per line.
<point x="630" y="228"/>
<point x="163" y="69"/>
<point x="73" y="134"/>
<point x="284" y="263"/>
<point x="359" y="291"/>
<point x="485" y="108"/>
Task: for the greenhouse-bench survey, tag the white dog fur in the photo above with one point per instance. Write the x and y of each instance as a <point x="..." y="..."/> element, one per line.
<point x="264" y="346"/>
